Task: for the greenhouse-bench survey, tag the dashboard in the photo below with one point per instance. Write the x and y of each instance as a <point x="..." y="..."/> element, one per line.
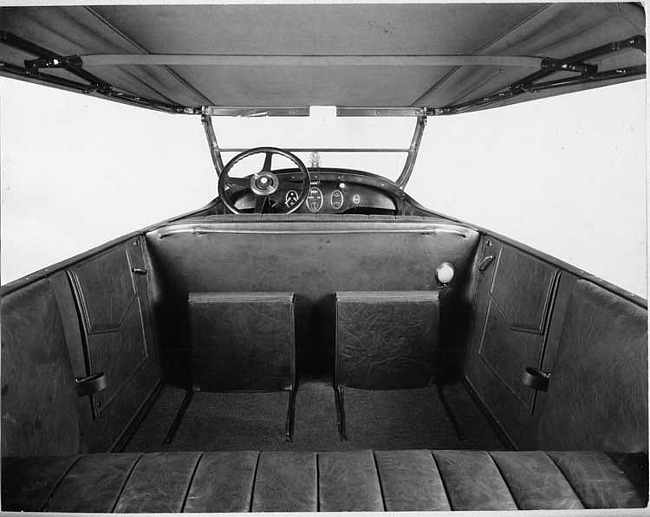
<point x="330" y="192"/>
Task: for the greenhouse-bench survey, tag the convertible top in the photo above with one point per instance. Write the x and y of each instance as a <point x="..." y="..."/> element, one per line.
<point x="447" y="58"/>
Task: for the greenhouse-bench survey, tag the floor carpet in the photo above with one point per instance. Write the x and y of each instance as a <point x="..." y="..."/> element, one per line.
<point x="394" y="419"/>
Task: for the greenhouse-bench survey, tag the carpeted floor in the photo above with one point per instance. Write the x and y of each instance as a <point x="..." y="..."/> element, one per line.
<point x="395" y="419"/>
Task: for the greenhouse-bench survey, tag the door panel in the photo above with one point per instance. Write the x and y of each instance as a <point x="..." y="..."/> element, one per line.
<point x="506" y="352"/>
<point x="116" y="337"/>
<point x="112" y="320"/>
<point x="522" y="288"/>
<point x="514" y="301"/>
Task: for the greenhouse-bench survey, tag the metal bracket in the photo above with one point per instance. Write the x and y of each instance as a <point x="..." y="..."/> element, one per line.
<point x="54" y="62"/>
<point x="576" y="63"/>
<point x="45" y="59"/>
<point x="560" y="65"/>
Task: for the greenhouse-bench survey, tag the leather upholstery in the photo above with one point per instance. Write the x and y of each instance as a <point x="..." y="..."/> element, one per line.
<point x="40" y="415"/>
<point x="411" y="481"/>
<point x="332" y="481"/>
<point x="242" y="341"/>
<point x="223" y="482"/>
<point x="386" y="339"/>
<point x="313" y="259"/>
<point x="286" y="482"/>
<point x="534" y="479"/>
<point x="597" y="480"/>
<point x="93" y="483"/>
<point x="598" y="391"/>
<point x="348" y="481"/>
<point x="158" y="483"/>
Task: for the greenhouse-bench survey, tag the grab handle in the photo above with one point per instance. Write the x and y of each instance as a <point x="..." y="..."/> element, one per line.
<point x="89" y="384"/>
<point x="536" y="379"/>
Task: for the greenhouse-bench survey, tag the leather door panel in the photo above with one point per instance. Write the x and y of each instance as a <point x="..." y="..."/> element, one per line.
<point x="515" y="297"/>
<point x="116" y="333"/>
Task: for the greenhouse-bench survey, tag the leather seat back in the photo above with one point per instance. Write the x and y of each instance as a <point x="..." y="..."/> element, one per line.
<point x="386" y="339"/>
<point x="242" y="341"/>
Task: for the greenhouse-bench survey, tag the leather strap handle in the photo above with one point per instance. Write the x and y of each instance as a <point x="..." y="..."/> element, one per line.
<point x="89" y="384"/>
<point x="485" y="263"/>
<point x="536" y="379"/>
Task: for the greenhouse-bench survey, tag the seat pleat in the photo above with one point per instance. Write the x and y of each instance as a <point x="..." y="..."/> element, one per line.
<point x="535" y="481"/>
<point x="223" y="483"/>
<point x="473" y="481"/>
<point x="597" y="480"/>
<point x="348" y="482"/>
<point x="286" y="482"/>
<point x="634" y="466"/>
<point x="27" y="483"/>
<point x="93" y="484"/>
<point x="158" y="483"/>
<point x="410" y="481"/>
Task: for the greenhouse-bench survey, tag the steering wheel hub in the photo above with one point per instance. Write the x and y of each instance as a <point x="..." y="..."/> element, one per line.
<point x="264" y="183"/>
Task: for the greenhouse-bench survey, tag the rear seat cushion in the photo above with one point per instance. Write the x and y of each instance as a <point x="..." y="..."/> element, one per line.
<point x="599" y="481"/>
<point x="410" y="480"/>
<point x="242" y="341"/>
<point x="386" y="339"/>
<point x="330" y="482"/>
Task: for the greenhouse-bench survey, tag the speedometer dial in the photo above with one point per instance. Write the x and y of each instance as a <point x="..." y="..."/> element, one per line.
<point x="336" y="199"/>
<point x="314" y="200"/>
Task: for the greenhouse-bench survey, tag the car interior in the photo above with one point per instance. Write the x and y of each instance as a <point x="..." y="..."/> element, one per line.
<point x="314" y="339"/>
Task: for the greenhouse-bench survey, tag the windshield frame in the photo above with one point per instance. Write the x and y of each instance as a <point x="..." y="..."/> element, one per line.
<point x="420" y="115"/>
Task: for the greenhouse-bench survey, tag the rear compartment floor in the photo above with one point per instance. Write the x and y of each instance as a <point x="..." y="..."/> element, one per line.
<point x="385" y="419"/>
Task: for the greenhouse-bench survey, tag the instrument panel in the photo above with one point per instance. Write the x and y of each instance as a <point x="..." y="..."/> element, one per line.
<point x="330" y="192"/>
<point x="332" y="197"/>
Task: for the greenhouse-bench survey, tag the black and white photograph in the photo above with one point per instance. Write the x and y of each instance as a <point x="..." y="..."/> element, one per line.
<point x="323" y="256"/>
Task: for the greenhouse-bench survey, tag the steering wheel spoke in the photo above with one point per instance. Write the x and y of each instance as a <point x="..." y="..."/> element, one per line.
<point x="260" y="203"/>
<point x="267" y="162"/>
<point x="264" y="183"/>
<point x="238" y="182"/>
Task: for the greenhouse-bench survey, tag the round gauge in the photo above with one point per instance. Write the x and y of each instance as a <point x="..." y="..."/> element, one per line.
<point x="291" y="198"/>
<point x="314" y="200"/>
<point x="336" y="199"/>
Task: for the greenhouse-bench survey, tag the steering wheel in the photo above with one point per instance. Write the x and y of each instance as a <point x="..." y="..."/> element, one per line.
<point x="263" y="183"/>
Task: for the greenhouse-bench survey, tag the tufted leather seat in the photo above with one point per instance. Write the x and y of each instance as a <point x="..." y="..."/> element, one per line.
<point x="333" y="481"/>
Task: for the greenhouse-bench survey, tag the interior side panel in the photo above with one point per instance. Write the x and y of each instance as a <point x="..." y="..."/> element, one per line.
<point x="514" y="299"/>
<point x="597" y="395"/>
<point x="116" y="338"/>
<point x="313" y="265"/>
<point x="39" y="399"/>
<point x="592" y="343"/>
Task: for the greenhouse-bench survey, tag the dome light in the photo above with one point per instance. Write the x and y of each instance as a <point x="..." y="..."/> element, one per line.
<point x="445" y="273"/>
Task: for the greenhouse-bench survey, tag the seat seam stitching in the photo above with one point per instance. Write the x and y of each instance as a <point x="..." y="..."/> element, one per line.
<point x="257" y="465"/>
<point x="503" y="478"/>
<point x="56" y="486"/>
<point x="381" y="488"/>
<point x="442" y="480"/>
<point x="561" y="470"/>
<point x="189" y="485"/>
<point x="126" y="480"/>
<point x="317" y="483"/>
